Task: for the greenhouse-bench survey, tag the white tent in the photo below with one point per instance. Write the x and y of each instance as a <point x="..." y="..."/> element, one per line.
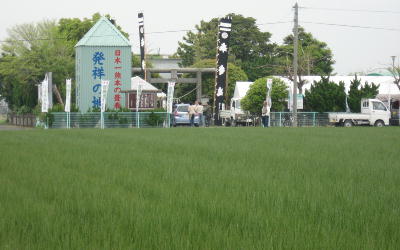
<point x="241" y="89"/>
<point x="135" y="81"/>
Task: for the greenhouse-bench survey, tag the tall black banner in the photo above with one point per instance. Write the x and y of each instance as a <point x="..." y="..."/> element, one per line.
<point x="222" y="67"/>
<point x="142" y="43"/>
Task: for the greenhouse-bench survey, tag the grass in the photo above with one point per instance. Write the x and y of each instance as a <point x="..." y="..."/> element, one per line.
<point x="3" y="121"/>
<point x="215" y="188"/>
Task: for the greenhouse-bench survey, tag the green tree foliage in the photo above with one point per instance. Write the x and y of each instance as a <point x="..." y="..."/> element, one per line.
<point x="357" y="92"/>
<point x="235" y="73"/>
<point x="314" y="57"/>
<point x="73" y="29"/>
<point x="256" y="95"/>
<point x="31" y="50"/>
<point x="395" y="71"/>
<point x="250" y="48"/>
<point x="325" y="96"/>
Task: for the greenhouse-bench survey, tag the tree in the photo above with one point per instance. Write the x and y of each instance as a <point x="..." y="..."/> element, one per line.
<point x="314" y="57"/>
<point x="395" y="71"/>
<point x="357" y="92"/>
<point x="325" y="96"/>
<point x="249" y="47"/>
<point x="73" y="29"/>
<point x="31" y="50"/>
<point x="256" y="95"/>
<point x="235" y="73"/>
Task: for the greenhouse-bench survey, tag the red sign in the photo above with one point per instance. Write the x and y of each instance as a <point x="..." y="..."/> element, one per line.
<point x="117" y="77"/>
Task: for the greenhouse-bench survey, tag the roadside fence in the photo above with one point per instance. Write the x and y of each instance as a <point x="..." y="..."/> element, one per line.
<point x="110" y="120"/>
<point x="25" y="120"/>
<point x="304" y="119"/>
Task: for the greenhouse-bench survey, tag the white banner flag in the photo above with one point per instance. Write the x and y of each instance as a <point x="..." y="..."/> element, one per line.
<point x="104" y="90"/>
<point x="45" y="95"/>
<point x="138" y="96"/>
<point x="269" y="86"/>
<point x="68" y="96"/>
<point x="170" y="96"/>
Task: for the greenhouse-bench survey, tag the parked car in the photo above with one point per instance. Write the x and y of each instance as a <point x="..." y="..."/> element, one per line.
<point x="181" y="115"/>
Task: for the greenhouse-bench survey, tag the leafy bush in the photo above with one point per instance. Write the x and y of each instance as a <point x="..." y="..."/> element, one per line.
<point x="256" y="95"/>
<point x="154" y="119"/>
<point x="357" y="92"/>
<point x="325" y="96"/>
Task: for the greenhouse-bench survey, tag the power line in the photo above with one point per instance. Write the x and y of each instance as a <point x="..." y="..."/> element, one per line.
<point x="147" y="33"/>
<point x="353" y="26"/>
<point x="186" y="30"/>
<point x="352" y="10"/>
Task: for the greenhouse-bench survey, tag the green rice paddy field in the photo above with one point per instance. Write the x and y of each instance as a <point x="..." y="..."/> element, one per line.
<point x="200" y="188"/>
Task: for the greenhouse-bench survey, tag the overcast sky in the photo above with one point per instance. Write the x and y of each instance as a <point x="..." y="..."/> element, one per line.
<point x="354" y="49"/>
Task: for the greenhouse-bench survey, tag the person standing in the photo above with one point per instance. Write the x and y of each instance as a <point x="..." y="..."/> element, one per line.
<point x="265" y="113"/>
<point x="199" y="111"/>
<point x="192" y="113"/>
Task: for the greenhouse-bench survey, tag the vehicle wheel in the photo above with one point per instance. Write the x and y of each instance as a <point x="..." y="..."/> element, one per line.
<point x="379" y="123"/>
<point x="348" y="123"/>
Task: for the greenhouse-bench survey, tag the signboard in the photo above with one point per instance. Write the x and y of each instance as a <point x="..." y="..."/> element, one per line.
<point x="45" y="95"/>
<point x="104" y="90"/>
<point x="170" y="96"/>
<point x="300" y="98"/>
<point x="68" y="96"/>
<point x="102" y="54"/>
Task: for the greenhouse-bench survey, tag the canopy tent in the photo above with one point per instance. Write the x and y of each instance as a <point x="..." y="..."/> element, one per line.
<point x="135" y="81"/>
<point x="241" y="89"/>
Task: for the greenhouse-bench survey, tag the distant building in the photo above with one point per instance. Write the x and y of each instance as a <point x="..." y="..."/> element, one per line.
<point x="102" y="54"/>
<point x="151" y="97"/>
<point x="164" y="62"/>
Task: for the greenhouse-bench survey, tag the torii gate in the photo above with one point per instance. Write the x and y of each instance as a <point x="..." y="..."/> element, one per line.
<point x="176" y="79"/>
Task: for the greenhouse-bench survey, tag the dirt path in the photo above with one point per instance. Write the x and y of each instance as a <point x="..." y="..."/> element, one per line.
<point x="11" y="127"/>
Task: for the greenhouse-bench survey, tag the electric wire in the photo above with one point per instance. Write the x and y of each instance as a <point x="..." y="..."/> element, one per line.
<point x="352" y="10"/>
<point x="352" y="26"/>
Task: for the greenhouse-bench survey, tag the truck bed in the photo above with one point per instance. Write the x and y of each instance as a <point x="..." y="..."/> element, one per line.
<point x="348" y="116"/>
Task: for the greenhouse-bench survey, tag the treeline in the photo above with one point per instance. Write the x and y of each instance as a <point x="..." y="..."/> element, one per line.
<point x="31" y="50"/>
<point x="323" y="96"/>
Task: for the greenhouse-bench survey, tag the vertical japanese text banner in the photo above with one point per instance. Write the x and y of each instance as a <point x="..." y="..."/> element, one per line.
<point x="170" y="96"/>
<point x="45" y="95"/>
<point x="222" y="66"/>
<point x="68" y="96"/>
<point x="142" y="44"/>
<point x="104" y="90"/>
<point x="269" y="89"/>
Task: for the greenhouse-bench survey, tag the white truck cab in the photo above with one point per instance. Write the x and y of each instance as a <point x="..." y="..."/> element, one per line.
<point x="373" y="112"/>
<point x="235" y="115"/>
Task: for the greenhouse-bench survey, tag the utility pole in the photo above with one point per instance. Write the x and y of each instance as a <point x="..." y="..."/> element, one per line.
<point x="394" y="74"/>
<point x="295" y="63"/>
<point x="393" y="61"/>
